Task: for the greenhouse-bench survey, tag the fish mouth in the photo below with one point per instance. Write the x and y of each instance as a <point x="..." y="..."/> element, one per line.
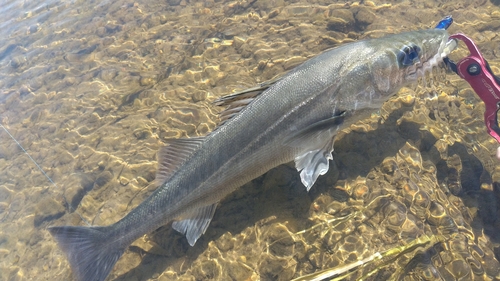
<point x="444" y="50"/>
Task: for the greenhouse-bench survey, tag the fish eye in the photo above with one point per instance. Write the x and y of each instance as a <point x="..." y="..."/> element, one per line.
<point x="408" y="55"/>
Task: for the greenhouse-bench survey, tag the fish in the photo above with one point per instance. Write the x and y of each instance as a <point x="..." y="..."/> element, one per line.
<point x="292" y="118"/>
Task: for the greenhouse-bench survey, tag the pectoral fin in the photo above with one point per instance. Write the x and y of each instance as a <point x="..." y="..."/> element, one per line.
<point x="196" y="223"/>
<point x="316" y="146"/>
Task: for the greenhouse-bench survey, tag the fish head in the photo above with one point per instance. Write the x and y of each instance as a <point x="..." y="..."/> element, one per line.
<point x="405" y="57"/>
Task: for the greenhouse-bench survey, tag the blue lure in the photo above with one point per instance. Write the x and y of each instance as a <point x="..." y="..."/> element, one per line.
<point x="445" y="23"/>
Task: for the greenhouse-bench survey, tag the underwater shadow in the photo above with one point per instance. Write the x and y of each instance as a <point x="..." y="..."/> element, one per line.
<point x="474" y="184"/>
<point x="279" y="196"/>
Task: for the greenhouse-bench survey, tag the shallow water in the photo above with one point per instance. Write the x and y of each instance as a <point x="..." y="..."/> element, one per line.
<point x="91" y="89"/>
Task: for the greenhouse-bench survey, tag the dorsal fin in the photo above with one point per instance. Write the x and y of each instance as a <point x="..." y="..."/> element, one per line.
<point x="172" y="156"/>
<point x="234" y="103"/>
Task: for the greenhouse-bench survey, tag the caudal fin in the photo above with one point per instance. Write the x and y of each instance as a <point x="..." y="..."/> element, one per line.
<point x="88" y="253"/>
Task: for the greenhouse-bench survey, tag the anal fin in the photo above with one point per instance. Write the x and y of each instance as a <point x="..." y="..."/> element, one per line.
<point x="316" y="146"/>
<point x="196" y="223"/>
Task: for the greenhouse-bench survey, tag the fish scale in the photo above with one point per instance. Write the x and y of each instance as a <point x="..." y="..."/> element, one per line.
<point x="293" y="118"/>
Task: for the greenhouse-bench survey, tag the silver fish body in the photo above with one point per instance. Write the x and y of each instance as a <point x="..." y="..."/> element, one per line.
<point x="294" y="118"/>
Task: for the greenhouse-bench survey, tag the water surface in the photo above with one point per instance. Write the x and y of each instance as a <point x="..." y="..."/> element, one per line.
<point x="91" y="89"/>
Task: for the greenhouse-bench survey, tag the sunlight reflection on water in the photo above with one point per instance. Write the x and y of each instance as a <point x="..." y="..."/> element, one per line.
<point x="91" y="89"/>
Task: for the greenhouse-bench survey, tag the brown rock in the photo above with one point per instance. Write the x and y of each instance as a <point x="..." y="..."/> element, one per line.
<point x="199" y="96"/>
<point x="174" y="2"/>
<point x="364" y="17"/>
<point x="48" y="209"/>
<point x="342" y="20"/>
<point x="103" y="179"/>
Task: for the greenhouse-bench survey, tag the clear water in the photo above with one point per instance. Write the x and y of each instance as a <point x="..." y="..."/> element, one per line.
<point x="91" y="88"/>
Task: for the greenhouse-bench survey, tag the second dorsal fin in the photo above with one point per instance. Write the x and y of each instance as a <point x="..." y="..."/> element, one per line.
<point x="234" y="103"/>
<point x="172" y="156"/>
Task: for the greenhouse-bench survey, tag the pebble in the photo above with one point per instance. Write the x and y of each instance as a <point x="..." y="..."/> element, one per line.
<point x="364" y="17"/>
<point x="48" y="209"/>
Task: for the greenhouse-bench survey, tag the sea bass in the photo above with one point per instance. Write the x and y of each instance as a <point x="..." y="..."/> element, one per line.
<point x="294" y="118"/>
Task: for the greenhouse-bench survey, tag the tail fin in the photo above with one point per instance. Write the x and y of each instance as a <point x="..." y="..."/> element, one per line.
<point x="88" y="253"/>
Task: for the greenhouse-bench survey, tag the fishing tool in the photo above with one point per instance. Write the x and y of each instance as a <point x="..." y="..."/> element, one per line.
<point x="475" y="70"/>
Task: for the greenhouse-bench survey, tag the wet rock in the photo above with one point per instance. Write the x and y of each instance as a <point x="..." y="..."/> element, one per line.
<point x="17" y="62"/>
<point x="5" y="193"/>
<point x="336" y="24"/>
<point x="173" y="2"/>
<point x="7" y="50"/>
<point x="103" y="179"/>
<point x="342" y="20"/>
<point x="4" y="207"/>
<point x="436" y="213"/>
<point x="112" y="28"/>
<point x="147" y="81"/>
<point x="225" y="242"/>
<point x="75" y="192"/>
<point x="142" y="133"/>
<point x="395" y="214"/>
<point x="124" y="181"/>
<point x="459" y="269"/>
<point x="273" y="13"/>
<point x="238" y="272"/>
<point x="338" y="195"/>
<point x="74" y="195"/>
<point x="86" y="51"/>
<point x="24" y="91"/>
<point x="199" y="96"/>
<point x="65" y="158"/>
<point x="108" y="74"/>
<point x="364" y="17"/>
<point x="15" y="273"/>
<point x="489" y="25"/>
<point x="108" y="40"/>
<point x="48" y="209"/>
<point x="207" y="270"/>
<point x="275" y="269"/>
<point x="281" y="242"/>
<point x="453" y="182"/>
<point x="33" y="29"/>
<point x="101" y="31"/>
<point x="360" y="192"/>
<point x="36" y="238"/>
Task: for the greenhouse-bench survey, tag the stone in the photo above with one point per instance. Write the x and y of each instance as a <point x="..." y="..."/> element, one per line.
<point x="173" y="2"/>
<point x="103" y="179"/>
<point x="199" y="96"/>
<point x="48" y="209"/>
<point x="364" y="17"/>
<point x="342" y="20"/>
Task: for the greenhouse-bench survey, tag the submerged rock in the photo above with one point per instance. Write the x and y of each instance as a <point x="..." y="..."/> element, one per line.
<point x="48" y="209"/>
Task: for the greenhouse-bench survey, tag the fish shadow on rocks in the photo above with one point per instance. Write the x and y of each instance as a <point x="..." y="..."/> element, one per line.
<point x="279" y="195"/>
